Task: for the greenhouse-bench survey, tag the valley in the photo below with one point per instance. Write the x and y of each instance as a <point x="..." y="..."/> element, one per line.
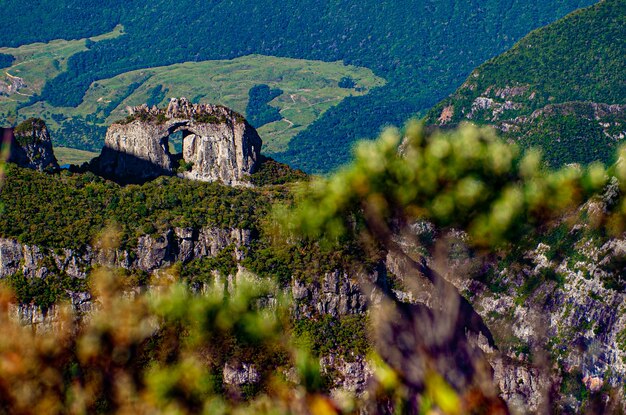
<point x="308" y="90"/>
<point x="422" y="49"/>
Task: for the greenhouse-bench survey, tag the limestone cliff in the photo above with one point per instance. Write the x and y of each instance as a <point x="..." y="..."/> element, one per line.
<point x="151" y="253"/>
<point x="218" y="145"/>
<point x="30" y="145"/>
<point x="333" y="293"/>
<point x="558" y="321"/>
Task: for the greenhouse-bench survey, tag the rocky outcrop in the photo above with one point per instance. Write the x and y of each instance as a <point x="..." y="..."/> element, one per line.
<point x="559" y="322"/>
<point x="241" y="374"/>
<point x="30" y="145"/>
<point x="11" y="84"/>
<point x="218" y="145"/>
<point x="350" y="375"/>
<point x="335" y="293"/>
<point x="152" y="252"/>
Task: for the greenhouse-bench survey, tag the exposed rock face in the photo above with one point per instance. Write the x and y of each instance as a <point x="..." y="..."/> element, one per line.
<point x="241" y="374"/>
<point x="350" y="375"/>
<point x="334" y="293"/>
<point x="135" y="152"/>
<point x="30" y="145"/>
<point x="11" y="84"/>
<point x="218" y="145"/>
<point x="555" y="340"/>
<point x="152" y="252"/>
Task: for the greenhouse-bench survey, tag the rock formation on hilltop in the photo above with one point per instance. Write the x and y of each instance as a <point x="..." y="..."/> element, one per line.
<point x="218" y="145"/>
<point x="30" y="145"/>
<point x="561" y="88"/>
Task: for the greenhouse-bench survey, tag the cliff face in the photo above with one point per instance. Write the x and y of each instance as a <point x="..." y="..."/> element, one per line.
<point x="30" y="145"/>
<point x="556" y="313"/>
<point x="334" y="293"/>
<point x="152" y="252"/>
<point x="218" y="145"/>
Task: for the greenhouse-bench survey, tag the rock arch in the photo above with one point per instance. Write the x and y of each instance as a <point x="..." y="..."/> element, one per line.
<point x="218" y="145"/>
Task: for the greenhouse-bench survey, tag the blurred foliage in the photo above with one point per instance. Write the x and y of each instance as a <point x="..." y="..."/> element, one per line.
<point x="166" y="350"/>
<point x="157" y="352"/>
<point x="466" y="179"/>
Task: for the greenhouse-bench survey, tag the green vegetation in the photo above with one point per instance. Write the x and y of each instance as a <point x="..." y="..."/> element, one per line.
<point x="157" y="95"/>
<point x="346" y="82"/>
<point x="574" y="134"/>
<point x="6" y="60"/>
<point x="184" y="166"/>
<point x="272" y="172"/>
<point x="309" y="89"/>
<point x="621" y="340"/>
<point x="25" y="131"/>
<point x="36" y="63"/>
<point x="45" y="292"/>
<point x="423" y="49"/>
<point x="199" y="272"/>
<point x="169" y="348"/>
<point x="69" y="210"/>
<point x="542" y="89"/>
<point x="346" y="336"/>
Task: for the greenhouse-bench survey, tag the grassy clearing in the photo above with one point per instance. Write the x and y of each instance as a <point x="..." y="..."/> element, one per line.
<point x="309" y="88"/>
<point x="66" y="155"/>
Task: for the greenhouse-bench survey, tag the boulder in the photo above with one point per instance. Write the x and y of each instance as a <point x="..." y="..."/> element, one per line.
<point x="30" y="145"/>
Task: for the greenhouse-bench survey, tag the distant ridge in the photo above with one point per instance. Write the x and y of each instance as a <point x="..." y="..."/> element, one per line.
<point x="562" y="87"/>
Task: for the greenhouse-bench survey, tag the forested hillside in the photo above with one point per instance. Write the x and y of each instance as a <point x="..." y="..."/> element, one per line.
<point x="561" y="88"/>
<point x="422" y="48"/>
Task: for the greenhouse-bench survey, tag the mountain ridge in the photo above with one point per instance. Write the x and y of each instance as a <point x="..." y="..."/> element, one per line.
<point x="550" y="86"/>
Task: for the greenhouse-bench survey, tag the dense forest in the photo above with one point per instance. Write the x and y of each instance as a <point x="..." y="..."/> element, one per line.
<point x="421" y="65"/>
<point x="5" y="60"/>
<point x="70" y="209"/>
<point x="541" y="91"/>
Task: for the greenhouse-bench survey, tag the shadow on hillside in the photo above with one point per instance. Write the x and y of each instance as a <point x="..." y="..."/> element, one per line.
<point x="123" y="168"/>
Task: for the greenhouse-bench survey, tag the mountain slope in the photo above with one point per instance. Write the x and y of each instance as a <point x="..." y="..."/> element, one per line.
<point x="423" y="49"/>
<point x="560" y="87"/>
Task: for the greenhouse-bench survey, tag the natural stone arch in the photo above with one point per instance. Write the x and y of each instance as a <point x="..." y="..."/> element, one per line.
<point x="218" y="145"/>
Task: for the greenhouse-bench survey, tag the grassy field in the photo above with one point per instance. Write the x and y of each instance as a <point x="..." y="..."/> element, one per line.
<point x="309" y="88"/>
<point x="67" y="155"/>
<point x="35" y="64"/>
